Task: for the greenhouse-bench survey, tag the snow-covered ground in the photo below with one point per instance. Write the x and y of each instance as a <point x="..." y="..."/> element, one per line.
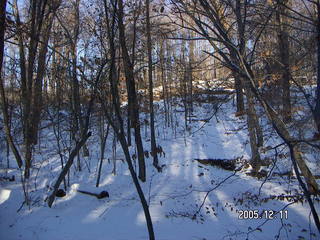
<point x="188" y="200"/>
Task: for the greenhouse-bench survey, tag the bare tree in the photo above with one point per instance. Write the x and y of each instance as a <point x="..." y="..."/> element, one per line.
<point x="149" y="47"/>
<point x="284" y="52"/>
<point x="4" y="104"/>
<point x="132" y="95"/>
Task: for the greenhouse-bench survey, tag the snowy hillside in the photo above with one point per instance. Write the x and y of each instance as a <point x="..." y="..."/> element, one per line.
<point x="189" y="199"/>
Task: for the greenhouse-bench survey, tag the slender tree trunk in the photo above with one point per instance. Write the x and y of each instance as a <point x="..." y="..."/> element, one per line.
<point x="168" y="65"/>
<point x="128" y="69"/>
<point x="75" y="81"/>
<point x="138" y="187"/>
<point x="317" y="107"/>
<point x="252" y="128"/>
<point x="56" y="66"/>
<point x="191" y="74"/>
<point x="135" y="19"/>
<point x="239" y="94"/>
<point x="66" y="168"/>
<point x="153" y="138"/>
<point x="25" y="85"/>
<point x="284" y="52"/>
<point x="37" y="99"/>
<point x="240" y="11"/>
<point x="103" y="139"/>
<point x="37" y="20"/>
<point x="183" y="80"/>
<point x="4" y="104"/>
<point x="164" y="81"/>
<point x="253" y="120"/>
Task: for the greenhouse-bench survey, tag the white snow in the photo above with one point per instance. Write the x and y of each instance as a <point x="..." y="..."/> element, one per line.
<point x="174" y="195"/>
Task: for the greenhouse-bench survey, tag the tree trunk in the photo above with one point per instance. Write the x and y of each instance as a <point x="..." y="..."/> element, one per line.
<point x="103" y="139"/>
<point x="284" y="52"/>
<point x="75" y="82"/>
<point x="153" y="138"/>
<point x="252" y="128"/>
<point x="4" y="104"/>
<point x="138" y="187"/>
<point x="168" y="93"/>
<point x="37" y="87"/>
<point x="239" y="94"/>
<point x="132" y="96"/>
<point x="255" y="131"/>
<point x="191" y="74"/>
<point x="66" y="168"/>
<point x="164" y="81"/>
<point x="239" y="8"/>
<point x="317" y="107"/>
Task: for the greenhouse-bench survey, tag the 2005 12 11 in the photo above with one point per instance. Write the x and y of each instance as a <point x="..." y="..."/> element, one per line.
<point x="264" y="214"/>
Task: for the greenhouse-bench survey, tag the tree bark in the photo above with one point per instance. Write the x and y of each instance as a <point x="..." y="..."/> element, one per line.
<point x="284" y="54"/>
<point x="4" y="104"/>
<point x="191" y="65"/>
<point x="103" y="142"/>
<point x="241" y="39"/>
<point x="164" y="81"/>
<point x="152" y="132"/>
<point x="239" y="94"/>
<point x="252" y="128"/>
<point x="132" y="96"/>
<point x="37" y="86"/>
<point x="317" y="107"/>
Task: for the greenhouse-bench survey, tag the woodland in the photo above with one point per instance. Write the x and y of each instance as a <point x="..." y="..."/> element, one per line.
<point x="159" y="119"/>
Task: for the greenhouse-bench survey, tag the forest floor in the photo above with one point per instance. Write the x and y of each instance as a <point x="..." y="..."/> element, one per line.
<point x="189" y="199"/>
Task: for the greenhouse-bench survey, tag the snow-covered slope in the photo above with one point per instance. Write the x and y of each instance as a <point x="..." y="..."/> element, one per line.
<point x="188" y="200"/>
